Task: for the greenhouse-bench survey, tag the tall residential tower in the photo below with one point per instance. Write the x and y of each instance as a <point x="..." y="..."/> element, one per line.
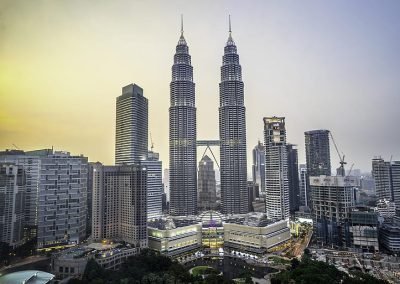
<point x="232" y="133"/>
<point x="182" y="134"/>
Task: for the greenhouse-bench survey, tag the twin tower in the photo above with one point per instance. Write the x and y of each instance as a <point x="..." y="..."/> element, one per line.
<point x="182" y="134"/>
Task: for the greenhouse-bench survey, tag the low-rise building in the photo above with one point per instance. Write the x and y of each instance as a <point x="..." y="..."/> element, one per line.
<point x="253" y="233"/>
<point x="174" y="237"/>
<point x="72" y="262"/>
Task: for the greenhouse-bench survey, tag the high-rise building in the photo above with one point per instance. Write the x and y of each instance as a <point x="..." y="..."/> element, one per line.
<point x="332" y="200"/>
<point x="131" y="133"/>
<point x="12" y="193"/>
<point x="293" y="177"/>
<point x="387" y="180"/>
<point x="62" y="206"/>
<point x="119" y="204"/>
<point x="259" y="167"/>
<point x="318" y="157"/>
<point x="207" y="186"/>
<point x="154" y="184"/>
<point x="89" y="199"/>
<point x="304" y="192"/>
<point x="31" y="166"/>
<point x="182" y="134"/>
<point x="232" y="133"/>
<point x="276" y="168"/>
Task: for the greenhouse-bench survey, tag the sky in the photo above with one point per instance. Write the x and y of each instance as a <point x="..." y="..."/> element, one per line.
<point x="321" y="64"/>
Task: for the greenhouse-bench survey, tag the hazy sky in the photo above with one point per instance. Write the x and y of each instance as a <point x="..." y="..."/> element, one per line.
<point x="321" y="64"/>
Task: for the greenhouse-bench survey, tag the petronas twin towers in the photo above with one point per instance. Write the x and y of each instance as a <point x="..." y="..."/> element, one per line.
<point x="182" y="134"/>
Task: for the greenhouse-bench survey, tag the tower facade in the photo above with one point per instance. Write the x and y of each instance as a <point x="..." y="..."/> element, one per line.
<point x="318" y="157"/>
<point x="131" y="132"/>
<point x="154" y="184"/>
<point x="232" y="133"/>
<point x="182" y="134"/>
<point x="12" y="194"/>
<point x="258" y="167"/>
<point x="276" y="169"/>
<point x="207" y="184"/>
<point x="293" y="177"/>
<point x="119" y="204"/>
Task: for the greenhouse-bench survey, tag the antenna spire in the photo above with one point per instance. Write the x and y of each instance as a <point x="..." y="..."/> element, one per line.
<point x="181" y="24"/>
<point x="230" y="28"/>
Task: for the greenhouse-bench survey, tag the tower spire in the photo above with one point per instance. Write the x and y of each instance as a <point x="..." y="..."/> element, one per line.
<point x="230" y="39"/>
<point x="230" y="28"/>
<point x="182" y="24"/>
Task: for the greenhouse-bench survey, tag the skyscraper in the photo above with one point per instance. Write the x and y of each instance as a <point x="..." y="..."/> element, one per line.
<point x="304" y="192"/>
<point x="182" y="134"/>
<point x="119" y="204"/>
<point x="207" y="184"/>
<point x="12" y="193"/>
<point x="154" y="184"/>
<point x="276" y="168"/>
<point x="232" y="133"/>
<point x="131" y="133"/>
<point x="318" y="157"/>
<point x="293" y="177"/>
<point x="258" y="167"/>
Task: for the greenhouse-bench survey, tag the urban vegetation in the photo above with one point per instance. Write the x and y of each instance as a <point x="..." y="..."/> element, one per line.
<point x="147" y="267"/>
<point x="312" y="271"/>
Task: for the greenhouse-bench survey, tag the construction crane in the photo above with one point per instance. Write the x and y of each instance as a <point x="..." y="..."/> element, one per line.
<point x="152" y="144"/>
<point x="340" y="170"/>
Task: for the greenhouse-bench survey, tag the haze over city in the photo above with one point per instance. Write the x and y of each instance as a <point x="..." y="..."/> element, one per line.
<point x="331" y="65"/>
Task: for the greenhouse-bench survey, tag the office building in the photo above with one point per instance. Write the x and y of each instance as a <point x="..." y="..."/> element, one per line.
<point x="182" y="135"/>
<point x="232" y="133"/>
<point x="293" y="177"/>
<point x="131" y="132"/>
<point x="387" y="180"/>
<point x="276" y="169"/>
<point x="258" y="167"/>
<point x="119" y="204"/>
<point x="207" y="186"/>
<point x="389" y="235"/>
<point x="12" y="194"/>
<point x="31" y="167"/>
<point x="303" y="191"/>
<point x="385" y="208"/>
<point x="332" y="199"/>
<point x="154" y="184"/>
<point x="62" y="206"/>
<point x="318" y="157"/>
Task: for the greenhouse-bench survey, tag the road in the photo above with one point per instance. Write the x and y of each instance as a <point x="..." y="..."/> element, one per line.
<point x="25" y="261"/>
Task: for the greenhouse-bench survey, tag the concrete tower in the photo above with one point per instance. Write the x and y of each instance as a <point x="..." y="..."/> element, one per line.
<point x="276" y="168"/>
<point x="182" y="134"/>
<point x="232" y="133"/>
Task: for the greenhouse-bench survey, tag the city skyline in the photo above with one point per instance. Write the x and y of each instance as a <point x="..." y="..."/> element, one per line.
<point x="347" y="61"/>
